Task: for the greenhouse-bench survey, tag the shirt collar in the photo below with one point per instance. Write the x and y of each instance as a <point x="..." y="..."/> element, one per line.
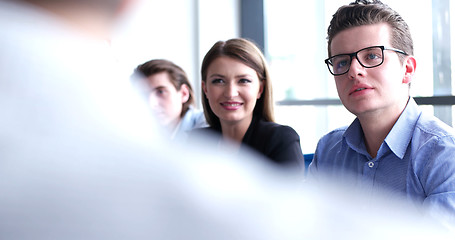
<point x="400" y="136"/>
<point x="354" y="137"/>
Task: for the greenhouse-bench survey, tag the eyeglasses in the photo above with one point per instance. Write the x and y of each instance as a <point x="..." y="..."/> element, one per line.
<point x="369" y="57"/>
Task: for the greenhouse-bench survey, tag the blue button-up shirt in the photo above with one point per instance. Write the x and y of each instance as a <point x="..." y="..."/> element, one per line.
<point x="417" y="159"/>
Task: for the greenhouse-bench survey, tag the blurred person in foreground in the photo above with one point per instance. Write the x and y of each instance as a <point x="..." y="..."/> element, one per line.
<point x="170" y="96"/>
<point x="80" y="160"/>
<point x="238" y="103"/>
<point x="391" y="144"/>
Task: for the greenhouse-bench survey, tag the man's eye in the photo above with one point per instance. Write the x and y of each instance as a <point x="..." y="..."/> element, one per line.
<point x="372" y="56"/>
<point x="160" y="92"/>
<point x="340" y="63"/>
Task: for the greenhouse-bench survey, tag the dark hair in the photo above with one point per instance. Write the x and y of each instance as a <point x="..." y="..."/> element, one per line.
<point x="176" y="74"/>
<point x="249" y="54"/>
<point x="364" y="12"/>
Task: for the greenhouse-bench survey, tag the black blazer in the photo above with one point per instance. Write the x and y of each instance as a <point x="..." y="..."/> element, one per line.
<point x="279" y="143"/>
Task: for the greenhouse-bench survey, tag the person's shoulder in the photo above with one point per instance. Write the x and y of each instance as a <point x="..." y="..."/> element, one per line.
<point x="203" y="130"/>
<point x="196" y="118"/>
<point x="335" y="133"/>
<point x="332" y="138"/>
<point x="432" y="137"/>
<point x="430" y="126"/>
<point x="275" y="128"/>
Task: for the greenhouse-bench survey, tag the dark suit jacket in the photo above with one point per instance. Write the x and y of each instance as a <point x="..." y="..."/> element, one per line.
<point x="280" y="144"/>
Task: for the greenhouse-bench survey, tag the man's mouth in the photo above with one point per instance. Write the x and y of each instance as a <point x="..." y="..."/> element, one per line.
<point x="359" y="89"/>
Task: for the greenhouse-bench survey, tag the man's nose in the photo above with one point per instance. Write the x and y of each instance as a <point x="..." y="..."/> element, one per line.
<point x="153" y="101"/>
<point x="356" y="68"/>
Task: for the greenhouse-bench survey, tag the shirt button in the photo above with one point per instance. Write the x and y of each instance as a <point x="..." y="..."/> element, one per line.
<point x="371" y="164"/>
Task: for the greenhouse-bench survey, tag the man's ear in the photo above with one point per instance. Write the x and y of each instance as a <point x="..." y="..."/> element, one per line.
<point x="410" y="67"/>
<point x="185" y="93"/>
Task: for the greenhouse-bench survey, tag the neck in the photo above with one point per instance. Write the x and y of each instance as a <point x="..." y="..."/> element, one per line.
<point x="172" y="125"/>
<point x="374" y="133"/>
<point x="235" y="130"/>
<point x="376" y="126"/>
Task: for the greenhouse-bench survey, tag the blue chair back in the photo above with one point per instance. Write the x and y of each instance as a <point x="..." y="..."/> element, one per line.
<point x="308" y="158"/>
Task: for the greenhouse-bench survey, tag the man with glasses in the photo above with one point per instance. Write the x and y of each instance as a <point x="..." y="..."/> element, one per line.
<point x="391" y="144"/>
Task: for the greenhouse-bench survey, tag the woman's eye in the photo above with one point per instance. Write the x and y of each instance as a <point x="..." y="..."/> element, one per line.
<point x="217" y="80"/>
<point x="244" y="80"/>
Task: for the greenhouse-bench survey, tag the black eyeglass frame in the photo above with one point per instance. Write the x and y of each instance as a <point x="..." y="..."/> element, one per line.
<point x="354" y="54"/>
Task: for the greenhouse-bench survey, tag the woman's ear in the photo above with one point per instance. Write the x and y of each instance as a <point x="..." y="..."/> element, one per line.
<point x="185" y="93"/>
<point x="410" y="67"/>
<point x="261" y="89"/>
<point x="204" y="87"/>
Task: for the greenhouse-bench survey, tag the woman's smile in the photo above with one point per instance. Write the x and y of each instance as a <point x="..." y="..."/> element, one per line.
<point x="231" y="105"/>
